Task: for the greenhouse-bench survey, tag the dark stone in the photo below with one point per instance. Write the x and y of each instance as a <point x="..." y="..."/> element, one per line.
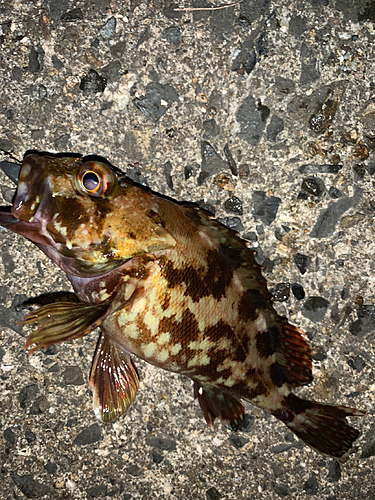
<point x="309" y="73"/>
<point x="274" y="128"/>
<point x="31" y="488"/>
<point x="172" y="35"/>
<point x="2" y="351"/>
<point x="311" y="486"/>
<point x="189" y="171"/>
<point x="250" y="235"/>
<point x="212" y="163"/>
<point x="51" y="350"/>
<point x="72" y="422"/>
<point x="163" y="443"/>
<point x="334" y="193"/>
<point x="282" y="490"/>
<point x="17" y="74"/>
<point x="27" y="395"/>
<point x="302" y="107"/>
<point x="167" y="168"/>
<point x="233" y="205"/>
<point x="222" y="22"/>
<point x="50" y="467"/>
<point x="368" y="449"/>
<point x="237" y="441"/>
<point x="213" y="494"/>
<point x="97" y="491"/>
<point x="280" y="292"/>
<point x="136" y="175"/>
<point x="315" y="308"/>
<point x="72" y="15"/>
<point x="134" y="470"/>
<point x="365" y="322"/>
<point x="90" y="435"/>
<point x="118" y="49"/>
<point x="261" y="44"/>
<point x="357" y="363"/>
<point x="150" y="105"/>
<point x="230" y="160"/>
<point x="9" y="436"/>
<point x="297" y="26"/>
<point x="246" y="423"/>
<point x="284" y="85"/>
<point x="302" y="262"/>
<point x="329" y="217"/>
<point x="40" y="405"/>
<point x="108" y="29"/>
<point x="61" y="142"/>
<point x="157" y="458"/>
<point x="320" y="355"/>
<point x="72" y="375"/>
<point x="211" y="128"/>
<point x="112" y="72"/>
<point x="30" y="436"/>
<point x="93" y="83"/>
<point x="169" y="10"/>
<point x="280" y="448"/>
<point x="36" y="59"/>
<point x="313" y="186"/>
<point x="57" y="63"/>
<point x="265" y="207"/>
<point x="37" y="92"/>
<point x="253" y="11"/>
<point x="234" y="223"/>
<point x="249" y="62"/>
<point x="252" y="118"/>
<point x="334" y="471"/>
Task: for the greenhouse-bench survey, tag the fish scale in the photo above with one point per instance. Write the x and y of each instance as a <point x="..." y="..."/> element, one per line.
<point x="165" y="282"/>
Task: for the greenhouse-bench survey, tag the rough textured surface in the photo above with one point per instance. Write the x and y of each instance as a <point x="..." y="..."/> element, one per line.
<point x="151" y="100"/>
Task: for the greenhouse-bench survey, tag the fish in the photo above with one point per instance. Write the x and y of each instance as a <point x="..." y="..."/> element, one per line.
<point x="167" y="283"/>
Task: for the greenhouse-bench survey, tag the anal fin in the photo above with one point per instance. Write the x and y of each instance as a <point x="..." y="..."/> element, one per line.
<point x="218" y="404"/>
<point x="113" y="381"/>
<point x="62" y="321"/>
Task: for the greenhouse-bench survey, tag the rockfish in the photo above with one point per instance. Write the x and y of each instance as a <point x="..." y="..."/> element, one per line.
<point x="166" y="282"/>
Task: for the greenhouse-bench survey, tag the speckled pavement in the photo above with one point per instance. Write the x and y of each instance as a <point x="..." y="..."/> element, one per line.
<point x="264" y="113"/>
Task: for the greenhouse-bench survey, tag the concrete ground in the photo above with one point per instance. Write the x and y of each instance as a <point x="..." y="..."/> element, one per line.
<point x="264" y="113"/>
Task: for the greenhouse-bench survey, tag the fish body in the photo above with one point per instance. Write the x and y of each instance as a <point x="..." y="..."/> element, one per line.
<point x="166" y="282"/>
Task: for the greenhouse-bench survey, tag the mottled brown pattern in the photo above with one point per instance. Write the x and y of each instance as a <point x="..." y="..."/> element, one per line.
<point x="277" y="374"/>
<point x="187" y="275"/>
<point x="71" y="214"/>
<point x="220" y="330"/>
<point x="267" y="342"/>
<point x="219" y="274"/>
<point x="250" y="301"/>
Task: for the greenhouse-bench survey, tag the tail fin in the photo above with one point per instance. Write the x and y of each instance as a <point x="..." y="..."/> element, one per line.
<point x="321" y="426"/>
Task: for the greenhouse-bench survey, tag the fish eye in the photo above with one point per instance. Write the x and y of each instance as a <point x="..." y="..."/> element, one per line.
<point x="90" y="181"/>
<point x="95" y="179"/>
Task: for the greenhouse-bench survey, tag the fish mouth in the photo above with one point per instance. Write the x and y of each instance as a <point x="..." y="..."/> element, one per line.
<point x="27" y="215"/>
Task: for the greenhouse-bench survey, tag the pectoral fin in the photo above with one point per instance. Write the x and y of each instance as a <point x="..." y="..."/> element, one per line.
<point x="62" y="321"/>
<point x="113" y="381"/>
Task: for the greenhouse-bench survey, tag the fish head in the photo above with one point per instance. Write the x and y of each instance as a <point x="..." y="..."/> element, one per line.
<point x="83" y="215"/>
